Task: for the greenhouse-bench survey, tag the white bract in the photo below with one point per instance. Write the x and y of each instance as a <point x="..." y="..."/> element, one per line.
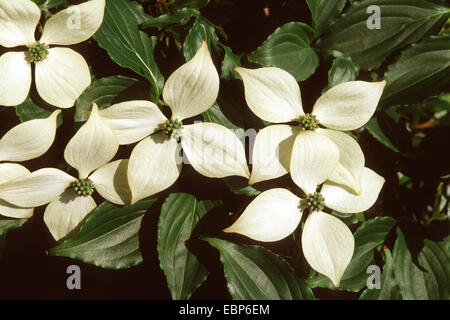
<point x="69" y="199"/>
<point x="274" y="96"/>
<point x="23" y="142"/>
<point x="327" y="242"/>
<point x="155" y="162"/>
<point x="61" y="73"/>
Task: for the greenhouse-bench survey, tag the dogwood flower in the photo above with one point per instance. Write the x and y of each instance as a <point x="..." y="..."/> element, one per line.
<point x="61" y="73"/>
<point x="155" y="164"/>
<point x="327" y="242"/>
<point x="274" y="96"/>
<point x="25" y="141"/>
<point x="69" y="199"/>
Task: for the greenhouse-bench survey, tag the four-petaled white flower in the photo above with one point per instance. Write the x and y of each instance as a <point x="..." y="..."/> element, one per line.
<point x="25" y="141"/>
<point x="61" y="73"/>
<point x="327" y="242"/>
<point x="310" y="153"/>
<point x="155" y="163"/>
<point x="89" y="152"/>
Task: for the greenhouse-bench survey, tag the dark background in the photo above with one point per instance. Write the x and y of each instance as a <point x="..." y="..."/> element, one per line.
<point x="27" y="272"/>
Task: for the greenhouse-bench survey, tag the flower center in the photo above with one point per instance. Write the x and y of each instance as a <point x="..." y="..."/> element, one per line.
<point x="309" y="122"/>
<point x="37" y="52"/>
<point x="83" y="187"/>
<point x="315" y="201"/>
<point x="173" y="128"/>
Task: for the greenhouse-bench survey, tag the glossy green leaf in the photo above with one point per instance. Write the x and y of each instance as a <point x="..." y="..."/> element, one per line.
<point x="180" y="213"/>
<point x="239" y="186"/>
<point x="323" y="12"/>
<point x="28" y="110"/>
<point x="420" y="70"/>
<point x="229" y="62"/>
<point x="109" y="238"/>
<point x="200" y="30"/>
<point x="402" y="22"/>
<point x="126" y="45"/>
<point x="428" y="276"/>
<point x="181" y="16"/>
<point x="254" y="273"/>
<point x="215" y="115"/>
<point x="368" y="237"/>
<point x="8" y="225"/>
<point x="389" y="129"/>
<point x="103" y="92"/>
<point x="48" y="4"/>
<point x="342" y="70"/>
<point x="288" y="48"/>
<point x="374" y="128"/>
<point x="389" y="289"/>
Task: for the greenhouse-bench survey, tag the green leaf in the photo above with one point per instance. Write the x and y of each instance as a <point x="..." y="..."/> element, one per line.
<point x="48" y="4"/>
<point x="389" y="289"/>
<point x="323" y="12"/>
<point x="181" y="16"/>
<point x="28" y="110"/>
<point x="288" y="48"/>
<point x="8" y="225"/>
<point x="439" y="103"/>
<point x="373" y="126"/>
<point x="103" y="92"/>
<point x="200" y="30"/>
<point x="193" y="4"/>
<point x="180" y="214"/>
<point x="402" y="22"/>
<point x="368" y="237"/>
<point x="109" y="238"/>
<point x="254" y="273"/>
<point x="126" y="45"/>
<point x="229" y="62"/>
<point x="239" y="186"/>
<point x="426" y="278"/>
<point x="215" y="115"/>
<point x="342" y="70"/>
<point x="420" y="70"/>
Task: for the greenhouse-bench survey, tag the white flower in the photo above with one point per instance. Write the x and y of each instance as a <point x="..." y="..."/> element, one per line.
<point x="327" y="242"/>
<point x="155" y="164"/>
<point x="61" y="73"/>
<point x="23" y="142"/>
<point x="274" y="96"/>
<point x="69" y="198"/>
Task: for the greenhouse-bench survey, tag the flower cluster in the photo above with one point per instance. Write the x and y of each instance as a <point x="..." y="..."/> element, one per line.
<point x="325" y="163"/>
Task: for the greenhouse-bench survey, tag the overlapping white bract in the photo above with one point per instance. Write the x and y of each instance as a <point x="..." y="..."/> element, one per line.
<point x="25" y="141"/>
<point x="89" y="151"/>
<point x="155" y="163"/>
<point x="64" y="74"/>
<point x="327" y="242"/>
<point x="313" y="156"/>
<point x="273" y="95"/>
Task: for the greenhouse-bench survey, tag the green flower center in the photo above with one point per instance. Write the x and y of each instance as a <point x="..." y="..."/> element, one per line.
<point x="315" y="201"/>
<point x="37" y="52"/>
<point x="173" y="128"/>
<point x="83" y="187"/>
<point x="309" y="122"/>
